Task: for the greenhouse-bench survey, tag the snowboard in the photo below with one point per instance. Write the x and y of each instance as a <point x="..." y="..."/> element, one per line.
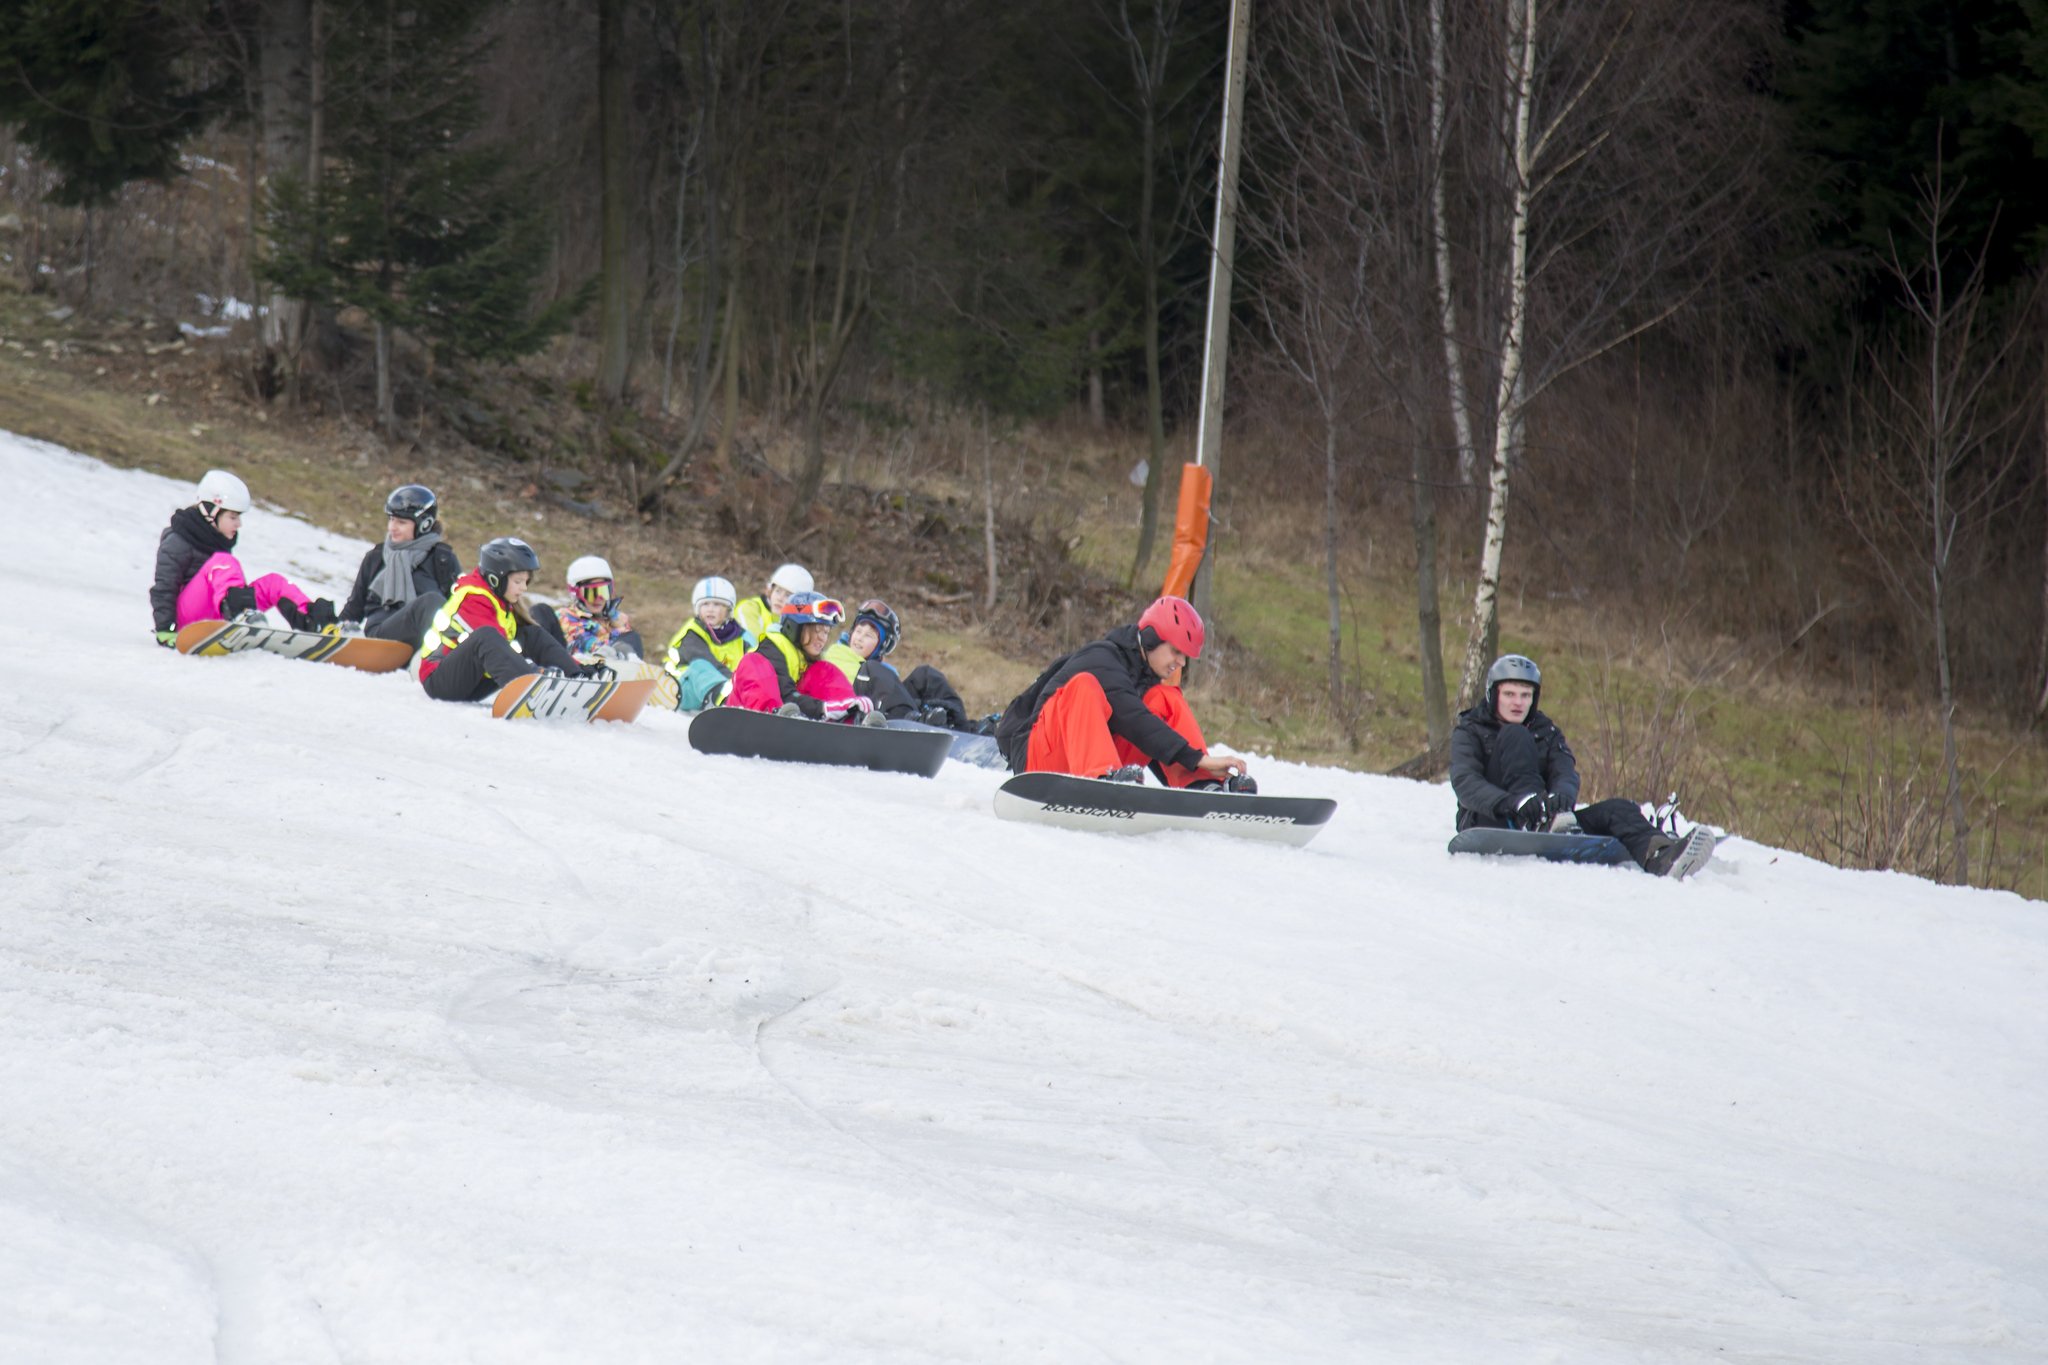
<point x="1598" y="849"/>
<point x="1089" y="803"/>
<point x="978" y="751"/>
<point x="350" y="651"/>
<point x="540" y="697"/>
<point x="797" y="739"/>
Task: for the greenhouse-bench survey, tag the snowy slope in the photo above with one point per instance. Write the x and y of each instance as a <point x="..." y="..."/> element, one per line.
<point x="340" y="1026"/>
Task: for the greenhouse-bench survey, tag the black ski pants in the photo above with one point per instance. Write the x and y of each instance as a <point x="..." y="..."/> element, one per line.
<point x="1513" y="767"/>
<point x="479" y="666"/>
<point x="408" y="623"/>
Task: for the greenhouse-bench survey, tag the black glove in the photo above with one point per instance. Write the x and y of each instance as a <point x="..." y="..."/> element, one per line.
<point x="294" y="615"/>
<point x="1531" y="812"/>
<point x="235" y="601"/>
<point x="320" y="615"/>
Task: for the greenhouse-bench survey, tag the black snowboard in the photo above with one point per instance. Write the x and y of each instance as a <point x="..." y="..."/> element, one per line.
<point x="979" y="751"/>
<point x="794" y="739"/>
<point x="1127" y="808"/>
<point x="1599" y="849"/>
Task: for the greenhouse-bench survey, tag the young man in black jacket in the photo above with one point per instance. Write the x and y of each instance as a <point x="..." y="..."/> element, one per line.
<point x="1108" y="710"/>
<point x="1511" y="769"/>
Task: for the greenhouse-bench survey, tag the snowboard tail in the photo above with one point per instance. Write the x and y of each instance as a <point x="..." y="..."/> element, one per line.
<point x="361" y="652"/>
<point x="1088" y="803"/>
<point x="795" y="739"/>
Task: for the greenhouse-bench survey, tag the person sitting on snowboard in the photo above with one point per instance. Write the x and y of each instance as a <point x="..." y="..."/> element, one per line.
<point x="404" y="580"/>
<point x="708" y="648"/>
<point x="594" y="620"/>
<point x="786" y="670"/>
<point x="757" y="614"/>
<point x="481" y="638"/>
<point x="926" y="695"/>
<point x="1511" y="769"/>
<point x="198" y="577"/>
<point x="1110" y="710"/>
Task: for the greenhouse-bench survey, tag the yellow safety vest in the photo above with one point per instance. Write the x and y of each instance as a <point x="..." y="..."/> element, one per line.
<point x="450" y="629"/>
<point x="756" y="617"/>
<point x="728" y="654"/>
<point x="847" y="658"/>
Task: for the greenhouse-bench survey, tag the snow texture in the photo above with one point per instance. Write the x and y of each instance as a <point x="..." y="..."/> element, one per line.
<point x="337" y="1025"/>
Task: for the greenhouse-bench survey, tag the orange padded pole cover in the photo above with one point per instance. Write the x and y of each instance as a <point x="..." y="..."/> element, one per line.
<point x="1190" y="531"/>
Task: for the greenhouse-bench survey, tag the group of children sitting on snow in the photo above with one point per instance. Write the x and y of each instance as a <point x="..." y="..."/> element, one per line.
<point x="1112" y="709"/>
<point x="788" y="648"/>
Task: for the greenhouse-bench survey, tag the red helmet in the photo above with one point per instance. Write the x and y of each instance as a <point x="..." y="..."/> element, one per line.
<point x="1174" y="620"/>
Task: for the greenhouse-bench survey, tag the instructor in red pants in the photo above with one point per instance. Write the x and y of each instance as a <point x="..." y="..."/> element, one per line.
<point x="1107" y="710"/>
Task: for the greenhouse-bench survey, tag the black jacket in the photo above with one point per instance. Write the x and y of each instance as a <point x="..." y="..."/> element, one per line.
<point x="1472" y="746"/>
<point x="880" y="684"/>
<point x="1118" y="662"/>
<point x="187" y="543"/>
<point x="433" y="578"/>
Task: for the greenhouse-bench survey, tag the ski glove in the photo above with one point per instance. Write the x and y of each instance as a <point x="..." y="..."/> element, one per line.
<point x="167" y="638"/>
<point x="237" y="600"/>
<point x="841" y="709"/>
<point x="1532" y="812"/>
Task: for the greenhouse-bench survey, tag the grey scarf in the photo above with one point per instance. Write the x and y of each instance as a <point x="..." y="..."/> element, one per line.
<point x="393" y="584"/>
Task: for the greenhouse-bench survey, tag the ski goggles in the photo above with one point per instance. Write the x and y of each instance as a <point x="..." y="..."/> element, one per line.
<point x="595" y="592"/>
<point x="876" y="608"/>
<point x="825" y="609"/>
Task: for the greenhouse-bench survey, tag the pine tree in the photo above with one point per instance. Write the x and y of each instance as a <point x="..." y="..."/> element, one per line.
<point x="414" y="221"/>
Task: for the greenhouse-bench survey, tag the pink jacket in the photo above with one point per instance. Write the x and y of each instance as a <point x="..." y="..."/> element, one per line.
<point x="758" y="685"/>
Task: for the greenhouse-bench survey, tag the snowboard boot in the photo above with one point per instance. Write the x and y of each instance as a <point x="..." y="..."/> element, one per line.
<point x="789" y="708"/>
<point x="1679" y="857"/>
<point x="1132" y="773"/>
<point x="875" y="720"/>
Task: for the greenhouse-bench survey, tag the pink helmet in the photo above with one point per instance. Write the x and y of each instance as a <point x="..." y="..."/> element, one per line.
<point x="1174" y="620"/>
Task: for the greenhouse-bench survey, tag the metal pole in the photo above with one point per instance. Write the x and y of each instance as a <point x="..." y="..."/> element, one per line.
<point x="1209" y="435"/>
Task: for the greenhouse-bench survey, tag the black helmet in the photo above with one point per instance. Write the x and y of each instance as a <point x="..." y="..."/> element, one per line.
<point x="414" y="502"/>
<point x="880" y="615"/>
<point x="1513" y="668"/>
<point x="501" y="558"/>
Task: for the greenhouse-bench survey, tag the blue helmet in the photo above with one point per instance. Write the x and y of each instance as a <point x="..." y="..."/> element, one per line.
<point x="880" y="615"/>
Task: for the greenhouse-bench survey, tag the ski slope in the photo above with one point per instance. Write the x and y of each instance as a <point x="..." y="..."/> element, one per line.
<point x="337" y="1025"/>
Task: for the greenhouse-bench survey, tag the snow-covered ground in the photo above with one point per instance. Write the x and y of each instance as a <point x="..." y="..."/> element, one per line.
<point x="341" y="1026"/>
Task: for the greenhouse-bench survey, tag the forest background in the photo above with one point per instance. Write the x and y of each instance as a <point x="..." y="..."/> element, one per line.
<point x="1696" y="350"/>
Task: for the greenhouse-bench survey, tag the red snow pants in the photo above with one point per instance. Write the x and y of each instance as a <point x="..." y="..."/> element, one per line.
<point x="1071" y="734"/>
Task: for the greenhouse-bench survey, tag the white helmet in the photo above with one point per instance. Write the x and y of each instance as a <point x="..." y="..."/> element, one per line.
<point x="713" y="589"/>
<point x="794" y="577"/>
<point x="223" y="490"/>
<point x="588" y="567"/>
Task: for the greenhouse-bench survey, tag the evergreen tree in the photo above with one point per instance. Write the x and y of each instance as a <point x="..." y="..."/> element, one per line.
<point x="108" y="91"/>
<point x="413" y="220"/>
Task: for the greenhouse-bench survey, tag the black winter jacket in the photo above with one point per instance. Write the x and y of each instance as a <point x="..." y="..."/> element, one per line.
<point x="434" y="578"/>
<point x="1472" y="745"/>
<point x="881" y="684"/>
<point x="187" y="543"/>
<point x="1118" y="662"/>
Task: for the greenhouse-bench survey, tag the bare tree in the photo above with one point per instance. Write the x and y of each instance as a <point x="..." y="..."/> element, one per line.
<point x="1940" y="473"/>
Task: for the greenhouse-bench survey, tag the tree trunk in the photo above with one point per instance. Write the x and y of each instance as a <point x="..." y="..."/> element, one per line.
<point x="284" y="44"/>
<point x="387" y="407"/>
<point x="988" y="512"/>
<point x="1336" y="601"/>
<point x="1440" y="237"/>
<point x="1155" y="418"/>
<point x="1485" y="633"/>
<point x="611" y="103"/>
<point x="2041" y="663"/>
<point x="1428" y="613"/>
<point x="1098" y="418"/>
